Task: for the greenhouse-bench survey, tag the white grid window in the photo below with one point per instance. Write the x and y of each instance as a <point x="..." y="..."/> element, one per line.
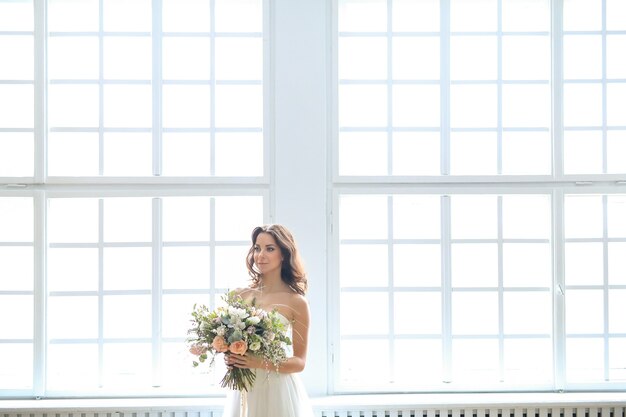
<point x="464" y="130"/>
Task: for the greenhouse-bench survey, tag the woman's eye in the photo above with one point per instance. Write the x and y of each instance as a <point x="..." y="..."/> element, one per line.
<point x="270" y="249"/>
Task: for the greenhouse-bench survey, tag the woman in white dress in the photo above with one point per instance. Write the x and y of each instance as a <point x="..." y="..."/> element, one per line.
<point x="278" y="283"/>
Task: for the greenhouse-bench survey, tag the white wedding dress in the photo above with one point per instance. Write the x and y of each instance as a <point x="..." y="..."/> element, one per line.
<point x="272" y="395"/>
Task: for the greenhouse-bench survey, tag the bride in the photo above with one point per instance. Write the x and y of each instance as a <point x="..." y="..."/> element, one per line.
<point x="278" y="283"/>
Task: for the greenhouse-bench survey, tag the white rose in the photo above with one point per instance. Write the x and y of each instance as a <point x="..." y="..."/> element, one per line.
<point x="253" y="320"/>
<point x="221" y="331"/>
<point x="254" y="346"/>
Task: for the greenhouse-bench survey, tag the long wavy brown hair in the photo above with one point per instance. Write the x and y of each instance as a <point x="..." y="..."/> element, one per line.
<point x="292" y="269"/>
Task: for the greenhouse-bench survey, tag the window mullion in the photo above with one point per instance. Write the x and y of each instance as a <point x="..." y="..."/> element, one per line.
<point x="446" y="284"/>
<point x="157" y="87"/>
<point x="157" y="289"/>
<point x="558" y="291"/>
<point x="40" y="57"/>
<point x="557" y="89"/>
<point x="40" y="296"/>
<point x="444" y="33"/>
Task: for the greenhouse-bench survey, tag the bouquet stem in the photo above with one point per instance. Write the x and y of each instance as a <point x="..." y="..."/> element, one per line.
<point x="240" y="379"/>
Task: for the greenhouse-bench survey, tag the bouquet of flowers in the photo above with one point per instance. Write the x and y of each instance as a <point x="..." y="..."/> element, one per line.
<point x="237" y="327"/>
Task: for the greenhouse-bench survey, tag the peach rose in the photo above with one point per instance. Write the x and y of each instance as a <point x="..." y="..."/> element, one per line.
<point x="239" y="347"/>
<point x="197" y="350"/>
<point x="219" y="344"/>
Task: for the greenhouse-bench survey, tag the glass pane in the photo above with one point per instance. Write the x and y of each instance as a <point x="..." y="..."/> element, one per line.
<point x="356" y="273"/>
<point x="353" y="356"/>
<point x="125" y="16"/>
<point x="16" y="359"/>
<point x="16" y="268"/>
<point x="17" y="54"/>
<point x="583" y="152"/>
<point x="428" y="364"/>
<point x="362" y="58"/>
<point x="127" y="154"/>
<point x="426" y="305"/>
<point x="235" y="217"/>
<point x="238" y="15"/>
<point x="526" y="153"/>
<point x="73" y="57"/>
<point x="186" y="15"/>
<point x="584" y="360"/>
<point x="615" y="59"/>
<point x="615" y="15"/>
<point x="362" y="16"/>
<point x="230" y="267"/>
<point x="526" y="216"/>
<point x="186" y="267"/>
<point x="351" y="314"/>
<point x="20" y="309"/>
<point x="526" y="16"/>
<point x="582" y="104"/>
<point x="615" y="104"/>
<point x="617" y="360"/>
<point x="16" y="219"/>
<point x="362" y="105"/>
<point x="416" y="217"/>
<point x="239" y="106"/>
<point x="408" y="57"/>
<point x="363" y="153"/>
<point x="416" y="153"/>
<point x="527" y="312"/>
<point x="72" y="366"/>
<point x="16" y="154"/>
<point x="474" y="313"/>
<point x="473" y="153"/>
<point x="416" y="106"/>
<point x="363" y="217"/>
<point x="528" y="360"/>
<point x="127" y="268"/>
<point x="474" y="105"/>
<point x="127" y="316"/>
<point x="474" y="265"/>
<point x="525" y="57"/>
<point x="616" y="149"/>
<point x="186" y="219"/>
<point x="617" y="311"/>
<point x="474" y="58"/>
<point x="582" y="14"/>
<point x="582" y="57"/>
<point x="584" y="263"/>
<point x="74" y="220"/>
<point x="616" y="215"/>
<point x="128" y="219"/>
<point x="72" y="269"/>
<point x="474" y="216"/>
<point x="177" y="310"/>
<point x="73" y="153"/>
<point x="73" y="105"/>
<point x="187" y="154"/>
<point x="186" y="58"/>
<point x="16" y="106"/>
<point x="127" y="106"/>
<point x="231" y="161"/>
<point x="127" y="365"/>
<point x="127" y="58"/>
<point x="175" y="367"/>
<point x="526" y="105"/>
<point x="583" y="216"/>
<point x="73" y="16"/>
<point x="475" y="360"/>
<point x="62" y="310"/>
<point x="474" y="15"/>
<point x="416" y="265"/>
<point x="238" y="58"/>
<point x="584" y="311"/>
<point x="527" y="265"/>
<point x="415" y="16"/>
<point x="186" y="106"/>
<point x="617" y="263"/>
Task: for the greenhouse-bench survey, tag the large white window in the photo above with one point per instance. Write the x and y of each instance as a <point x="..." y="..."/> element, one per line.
<point x="469" y="254"/>
<point x="133" y="167"/>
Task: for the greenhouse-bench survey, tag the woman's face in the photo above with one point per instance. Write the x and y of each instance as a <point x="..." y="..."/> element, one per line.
<point x="267" y="255"/>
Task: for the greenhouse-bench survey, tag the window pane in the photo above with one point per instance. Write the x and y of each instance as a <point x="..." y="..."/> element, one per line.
<point x="474" y="265"/>
<point x="412" y="16"/>
<point x="615" y="104"/>
<point x="356" y="273"/>
<point x="615" y="15"/>
<point x="527" y="312"/>
<point x="16" y="106"/>
<point x="584" y="312"/>
<point x="127" y="58"/>
<point x="416" y="153"/>
<point x="127" y="154"/>
<point x="63" y="372"/>
<point x="475" y="360"/>
<point x="616" y="149"/>
<point x="583" y="152"/>
<point x="186" y="106"/>
<point x="62" y="15"/>
<point x="352" y="312"/>
<point x="526" y="105"/>
<point x="474" y="313"/>
<point x="73" y="57"/>
<point x="187" y="154"/>
<point x="525" y="57"/>
<point x="617" y="311"/>
<point x="16" y="362"/>
<point x="127" y="365"/>
<point x="238" y="15"/>
<point x="582" y="104"/>
<point x="474" y="58"/>
<point x="474" y="15"/>
<point x="526" y="16"/>
<point x="230" y="268"/>
<point x="363" y="58"/>
<point x="74" y="220"/>
<point x="353" y="356"/>
<point x="417" y="265"/>
<point x="526" y="217"/>
<point x="526" y="153"/>
<point x="617" y="361"/>
<point x="585" y="359"/>
<point x="73" y="269"/>
<point x="62" y="310"/>
<point x="473" y="153"/>
<point x="73" y="105"/>
<point x="235" y="217"/>
<point x="583" y="263"/>
<point x="527" y="265"/>
<point x="127" y="316"/>
<point x="362" y="105"/>
<point x="474" y="216"/>
<point x="428" y="364"/>
<point x="16" y="219"/>
<point x="473" y="105"/>
<point x="127" y="106"/>
<point x="231" y="161"/>
<point x="127" y="268"/>
<point x="238" y="58"/>
<point x="128" y="219"/>
<point x="357" y="211"/>
<point x="416" y="217"/>
<point x="617" y="263"/>
<point x="528" y="360"/>
<point x="186" y="15"/>
<point x="415" y="106"/>
<point x="363" y="153"/>
<point x="186" y="58"/>
<point x="615" y="60"/>
<point x="616" y="215"/>
<point x="16" y="154"/>
<point x="177" y="310"/>
<point x="239" y="106"/>
<point x="362" y="16"/>
<point x="16" y="268"/>
<point x="121" y="15"/>
<point x="408" y="306"/>
<point x="583" y="216"/>
<point x="582" y="14"/>
<point x="187" y="267"/>
<point x="73" y="154"/>
<point x="408" y="60"/>
<point x="186" y="219"/>
<point x="582" y="56"/>
<point x="17" y="57"/>
<point x="20" y="309"/>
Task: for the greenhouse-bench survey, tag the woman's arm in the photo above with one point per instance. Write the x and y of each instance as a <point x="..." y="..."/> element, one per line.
<point x="301" y="319"/>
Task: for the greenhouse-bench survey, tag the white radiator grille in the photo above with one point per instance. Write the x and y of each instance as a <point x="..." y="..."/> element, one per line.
<point x="500" y="411"/>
